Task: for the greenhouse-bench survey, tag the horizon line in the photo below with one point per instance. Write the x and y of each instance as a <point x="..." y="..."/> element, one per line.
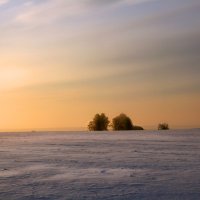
<point x="80" y="129"/>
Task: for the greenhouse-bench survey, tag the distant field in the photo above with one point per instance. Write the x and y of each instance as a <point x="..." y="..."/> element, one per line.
<point x="134" y="165"/>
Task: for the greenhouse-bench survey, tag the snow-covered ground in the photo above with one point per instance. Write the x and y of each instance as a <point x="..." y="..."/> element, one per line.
<point x="110" y="165"/>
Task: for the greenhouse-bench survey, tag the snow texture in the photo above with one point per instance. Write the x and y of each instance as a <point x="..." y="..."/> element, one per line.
<point x="133" y="165"/>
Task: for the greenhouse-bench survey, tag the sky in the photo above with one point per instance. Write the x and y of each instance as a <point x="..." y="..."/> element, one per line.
<point x="63" y="61"/>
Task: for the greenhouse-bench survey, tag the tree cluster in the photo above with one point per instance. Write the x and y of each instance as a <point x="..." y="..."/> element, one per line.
<point x="101" y="122"/>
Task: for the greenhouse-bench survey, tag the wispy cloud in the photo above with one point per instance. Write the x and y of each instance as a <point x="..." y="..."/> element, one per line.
<point x="2" y="2"/>
<point x="115" y="2"/>
<point x="49" y="11"/>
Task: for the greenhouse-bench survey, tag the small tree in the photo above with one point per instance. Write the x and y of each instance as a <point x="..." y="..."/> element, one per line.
<point x="100" y="122"/>
<point x="122" y="122"/>
<point x="163" y="126"/>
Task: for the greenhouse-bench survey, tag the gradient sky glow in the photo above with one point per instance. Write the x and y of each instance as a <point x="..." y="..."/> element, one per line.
<point x="62" y="61"/>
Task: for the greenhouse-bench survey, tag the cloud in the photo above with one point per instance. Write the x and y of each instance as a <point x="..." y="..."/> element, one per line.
<point x="51" y="10"/>
<point x="2" y="2"/>
<point x="154" y="40"/>
<point x="47" y="12"/>
<point x="115" y="2"/>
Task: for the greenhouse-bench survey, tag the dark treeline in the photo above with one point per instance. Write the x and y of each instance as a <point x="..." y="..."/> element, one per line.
<point x="121" y="122"/>
<point x="101" y="122"/>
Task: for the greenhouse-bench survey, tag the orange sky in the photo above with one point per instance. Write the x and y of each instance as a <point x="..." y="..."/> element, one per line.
<point x="64" y="61"/>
